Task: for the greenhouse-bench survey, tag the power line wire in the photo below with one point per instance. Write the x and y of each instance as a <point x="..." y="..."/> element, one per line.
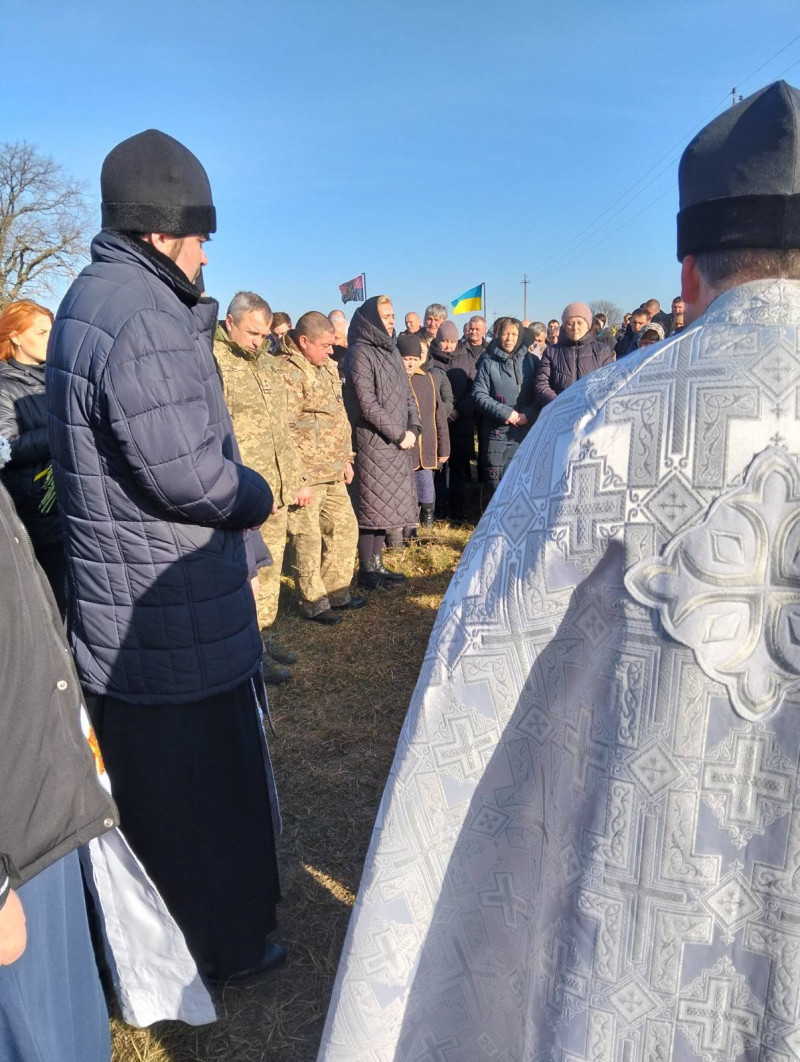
<point x="603" y="239"/>
<point x="598" y="224"/>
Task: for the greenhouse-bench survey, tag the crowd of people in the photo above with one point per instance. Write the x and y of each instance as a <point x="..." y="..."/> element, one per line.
<point x="159" y="460"/>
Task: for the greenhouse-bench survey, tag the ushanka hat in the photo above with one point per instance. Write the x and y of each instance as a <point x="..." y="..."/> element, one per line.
<point x="152" y="183"/>
<point x="739" y="178"/>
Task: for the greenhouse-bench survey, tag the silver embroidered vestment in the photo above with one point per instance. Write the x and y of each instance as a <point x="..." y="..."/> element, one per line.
<point x="589" y="844"/>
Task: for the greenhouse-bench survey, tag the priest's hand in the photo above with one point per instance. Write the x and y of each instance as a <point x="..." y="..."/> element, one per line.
<point x="408" y="440"/>
<point x="13" y="935"/>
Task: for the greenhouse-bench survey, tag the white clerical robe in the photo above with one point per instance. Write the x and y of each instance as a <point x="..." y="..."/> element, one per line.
<point x="589" y="843"/>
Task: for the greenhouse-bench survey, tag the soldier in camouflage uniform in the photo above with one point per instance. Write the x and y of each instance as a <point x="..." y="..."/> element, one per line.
<point x="325" y="534"/>
<point x="256" y="397"/>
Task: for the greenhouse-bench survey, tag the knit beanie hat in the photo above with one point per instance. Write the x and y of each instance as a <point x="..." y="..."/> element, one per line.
<point x="447" y="332"/>
<point x="152" y="183"/>
<point x="577" y="309"/>
<point x="739" y="178"/>
<point x="409" y="345"/>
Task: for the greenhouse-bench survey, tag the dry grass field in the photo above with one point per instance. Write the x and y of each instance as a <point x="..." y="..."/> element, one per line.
<point x="337" y="724"/>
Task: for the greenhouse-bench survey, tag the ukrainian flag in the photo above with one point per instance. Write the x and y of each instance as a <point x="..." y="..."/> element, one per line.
<point x="470" y="300"/>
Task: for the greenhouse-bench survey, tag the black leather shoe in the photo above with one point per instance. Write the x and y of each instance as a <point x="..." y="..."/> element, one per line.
<point x="274" y="956"/>
<point x="354" y="602"/>
<point x="328" y="617"/>
<point x="274" y="673"/>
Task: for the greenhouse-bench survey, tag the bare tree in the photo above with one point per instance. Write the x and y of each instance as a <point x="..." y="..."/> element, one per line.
<point x="611" y="310"/>
<point x="44" y="222"/>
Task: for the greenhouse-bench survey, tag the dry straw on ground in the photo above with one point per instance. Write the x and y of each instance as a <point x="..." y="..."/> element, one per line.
<point x="337" y="724"/>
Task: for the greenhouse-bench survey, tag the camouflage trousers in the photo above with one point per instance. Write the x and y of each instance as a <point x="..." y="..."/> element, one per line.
<point x="324" y="539"/>
<point x="269" y="579"/>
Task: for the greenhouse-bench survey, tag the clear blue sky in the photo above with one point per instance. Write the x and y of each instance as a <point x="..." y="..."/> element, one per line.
<point x="432" y="144"/>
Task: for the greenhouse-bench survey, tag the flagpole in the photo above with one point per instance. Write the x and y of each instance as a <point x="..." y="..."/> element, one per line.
<point x="485" y="311"/>
<point x="364" y="275"/>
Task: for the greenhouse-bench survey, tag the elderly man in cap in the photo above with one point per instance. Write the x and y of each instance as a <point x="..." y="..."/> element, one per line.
<point x="589" y="842"/>
<point x="156" y="506"/>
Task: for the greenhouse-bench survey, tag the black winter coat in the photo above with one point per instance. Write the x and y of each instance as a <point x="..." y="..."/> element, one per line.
<point x="461" y="368"/>
<point x="23" y="421"/>
<point x="443" y="389"/>
<point x="381" y="408"/>
<point x="568" y="362"/>
<point x="626" y="343"/>
<point x="51" y="801"/>
<point x="154" y="500"/>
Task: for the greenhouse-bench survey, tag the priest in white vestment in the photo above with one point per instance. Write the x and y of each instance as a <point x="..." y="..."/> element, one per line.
<point x="589" y="844"/>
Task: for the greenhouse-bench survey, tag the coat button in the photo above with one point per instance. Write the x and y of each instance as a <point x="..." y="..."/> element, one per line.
<point x="61" y="684"/>
<point x="108" y="823"/>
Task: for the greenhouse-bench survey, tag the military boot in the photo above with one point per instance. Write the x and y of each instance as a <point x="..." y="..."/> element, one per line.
<point x="279" y="652"/>
<point x="274" y="673"/>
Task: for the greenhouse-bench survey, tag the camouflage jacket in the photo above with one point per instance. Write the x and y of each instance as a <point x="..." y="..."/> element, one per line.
<point x="256" y="397"/>
<point x="317" y="416"/>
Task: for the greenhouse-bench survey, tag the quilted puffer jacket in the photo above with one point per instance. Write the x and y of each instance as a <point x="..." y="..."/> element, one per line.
<point x="23" y="421"/>
<point x="381" y="408"/>
<point x="153" y="498"/>
<point x="570" y="360"/>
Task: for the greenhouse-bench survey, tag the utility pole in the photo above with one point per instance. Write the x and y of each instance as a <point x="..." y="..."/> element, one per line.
<point x="525" y="282"/>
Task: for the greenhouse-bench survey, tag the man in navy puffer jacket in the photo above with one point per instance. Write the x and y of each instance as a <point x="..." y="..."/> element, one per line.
<point x="156" y="507"/>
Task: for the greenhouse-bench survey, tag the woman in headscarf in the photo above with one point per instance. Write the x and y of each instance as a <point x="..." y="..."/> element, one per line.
<point x="384" y="417"/>
<point x="503" y="392"/>
<point x="24" y="331"/>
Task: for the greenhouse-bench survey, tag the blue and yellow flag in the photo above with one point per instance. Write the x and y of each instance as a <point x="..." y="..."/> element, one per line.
<point x="470" y="300"/>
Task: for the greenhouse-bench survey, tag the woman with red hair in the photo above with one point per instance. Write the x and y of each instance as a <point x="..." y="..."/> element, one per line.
<point x="24" y="331"/>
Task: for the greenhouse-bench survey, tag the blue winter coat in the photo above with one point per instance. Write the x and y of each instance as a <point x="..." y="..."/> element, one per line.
<point x="152" y="496"/>
<point x="503" y="383"/>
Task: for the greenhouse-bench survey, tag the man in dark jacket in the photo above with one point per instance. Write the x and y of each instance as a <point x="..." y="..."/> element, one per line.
<point x="577" y="353"/>
<point x="627" y="341"/>
<point x="155" y="507"/>
<point x="475" y="338"/>
<point x="51" y="802"/>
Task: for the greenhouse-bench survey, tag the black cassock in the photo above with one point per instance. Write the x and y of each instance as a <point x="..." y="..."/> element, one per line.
<point x="191" y="787"/>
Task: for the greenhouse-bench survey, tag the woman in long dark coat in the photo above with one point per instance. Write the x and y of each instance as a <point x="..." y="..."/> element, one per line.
<point x="383" y="414"/>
